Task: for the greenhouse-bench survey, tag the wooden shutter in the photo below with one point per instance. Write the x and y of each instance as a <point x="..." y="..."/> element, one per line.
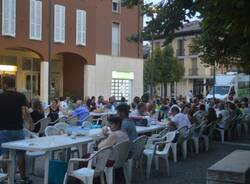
<point x="81" y="27"/>
<point x="9" y="17"/>
<point x="59" y="24"/>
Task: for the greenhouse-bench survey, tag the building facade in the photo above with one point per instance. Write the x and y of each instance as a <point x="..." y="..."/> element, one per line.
<point x="86" y="41"/>
<point x="198" y="76"/>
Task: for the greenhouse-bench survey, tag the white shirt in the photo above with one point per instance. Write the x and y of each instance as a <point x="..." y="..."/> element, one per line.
<point x="225" y="115"/>
<point x="180" y="120"/>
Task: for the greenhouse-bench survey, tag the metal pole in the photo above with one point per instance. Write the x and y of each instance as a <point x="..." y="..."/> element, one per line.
<point x="152" y="65"/>
<point x="139" y="27"/>
<point x="50" y="48"/>
<point x="214" y="81"/>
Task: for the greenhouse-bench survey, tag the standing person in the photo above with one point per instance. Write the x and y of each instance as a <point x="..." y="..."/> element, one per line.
<point x="37" y="113"/>
<point x="128" y="125"/>
<point x="13" y="114"/>
<point x="189" y="96"/>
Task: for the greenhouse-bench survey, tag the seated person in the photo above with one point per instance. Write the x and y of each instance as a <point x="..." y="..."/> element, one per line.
<point x="140" y="112"/>
<point x="81" y="112"/>
<point x="54" y="110"/>
<point x="179" y="119"/>
<point x="112" y="103"/>
<point x="200" y="114"/>
<point x="128" y="125"/>
<point x="211" y="116"/>
<point x="135" y="102"/>
<point x="100" y="103"/>
<point x="114" y="133"/>
<point x="223" y="116"/>
<point x="37" y="113"/>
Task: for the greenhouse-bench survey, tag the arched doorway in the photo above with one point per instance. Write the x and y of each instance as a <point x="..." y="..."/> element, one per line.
<point x="24" y="65"/>
<point x="67" y="75"/>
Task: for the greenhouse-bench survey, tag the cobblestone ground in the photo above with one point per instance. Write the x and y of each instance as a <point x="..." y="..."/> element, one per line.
<point x="189" y="171"/>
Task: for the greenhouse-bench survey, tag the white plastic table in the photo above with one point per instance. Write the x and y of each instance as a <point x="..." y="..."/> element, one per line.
<point x="102" y="113"/>
<point x="149" y="129"/>
<point x="45" y="144"/>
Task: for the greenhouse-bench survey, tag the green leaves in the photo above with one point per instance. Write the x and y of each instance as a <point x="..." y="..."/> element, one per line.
<point x="163" y="67"/>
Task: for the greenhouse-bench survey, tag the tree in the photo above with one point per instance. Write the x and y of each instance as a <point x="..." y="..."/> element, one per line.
<point x="171" y="69"/>
<point x="162" y="68"/>
<point x="225" y="37"/>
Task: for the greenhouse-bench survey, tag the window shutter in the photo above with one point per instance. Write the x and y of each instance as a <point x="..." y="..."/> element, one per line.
<point x="116" y="39"/>
<point x="35" y="19"/>
<point x="81" y="27"/>
<point x="84" y="27"/>
<point x="32" y="19"/>
<point x="59" y="24"/>
<point x="9" y="17"/>
<point x="62" y="25"/>
<point x="38" y="19"/>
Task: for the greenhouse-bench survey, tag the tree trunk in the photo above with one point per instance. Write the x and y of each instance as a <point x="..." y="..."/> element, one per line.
<point x="162" y="90"/>
<point x="165" y="89"/>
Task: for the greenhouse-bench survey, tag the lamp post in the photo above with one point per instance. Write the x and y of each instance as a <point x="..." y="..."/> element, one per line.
<point x="50" y="49"/>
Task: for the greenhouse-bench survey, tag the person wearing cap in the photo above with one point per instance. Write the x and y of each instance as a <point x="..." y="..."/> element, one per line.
<point x="128" y="125"/>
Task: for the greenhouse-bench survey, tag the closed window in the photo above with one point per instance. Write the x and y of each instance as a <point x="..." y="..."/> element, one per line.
<point x="121" y="88"/>
<point x="59" y="24"/>
<point x="9" y="18"/>
<point x="115" y="39"/>
<point x="81" y="27"/>
<point x="116" y="6"/>
<point x="35" y="19"/>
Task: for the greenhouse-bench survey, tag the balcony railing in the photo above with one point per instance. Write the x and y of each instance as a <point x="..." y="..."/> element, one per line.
<point x="193" y="71"/>
<point x="180" y="52"/>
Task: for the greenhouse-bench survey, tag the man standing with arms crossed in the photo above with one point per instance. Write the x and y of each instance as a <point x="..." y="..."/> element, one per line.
<point x="13" y="114"/>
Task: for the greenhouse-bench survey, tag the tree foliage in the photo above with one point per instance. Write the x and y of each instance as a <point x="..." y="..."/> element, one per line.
<point x="225" y="37"/>
<point x="163" y="68"/>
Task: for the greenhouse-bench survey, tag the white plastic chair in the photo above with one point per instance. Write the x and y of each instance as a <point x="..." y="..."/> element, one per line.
<point x="4" y="176"/>
<point x="32" y="155"/>
<point x="61" y="126"/>
<point x="227" y="128"/>
<point x="137" y="153"/>
<point x="96" y="166"/>
<point x="154" y="137"/>
<point x="61" y="120"/>
<point x="103" y="119"/>
<point x="86" y="124"/>
<point x="245" y="123"/>
<point x="121" y="152"/>
<point x="51" y="130"/>
<point x="199" y="130"/>
<point x="182" y="138"/>
<point x="156" y="152"/>
<point x="209" y="136"/>
<point x="43" y="124"/>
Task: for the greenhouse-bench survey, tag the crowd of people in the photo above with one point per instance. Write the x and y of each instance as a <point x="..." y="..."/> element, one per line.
<point x="176" y="113"/>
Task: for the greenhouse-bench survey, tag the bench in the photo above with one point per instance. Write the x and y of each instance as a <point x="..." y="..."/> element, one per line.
<point x="232" y="169"/>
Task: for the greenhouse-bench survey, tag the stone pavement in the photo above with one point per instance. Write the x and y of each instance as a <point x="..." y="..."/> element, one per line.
<point x="189" y="171"/>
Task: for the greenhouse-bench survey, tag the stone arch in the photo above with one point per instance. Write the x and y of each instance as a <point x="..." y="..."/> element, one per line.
<point x="72" y="74"/>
